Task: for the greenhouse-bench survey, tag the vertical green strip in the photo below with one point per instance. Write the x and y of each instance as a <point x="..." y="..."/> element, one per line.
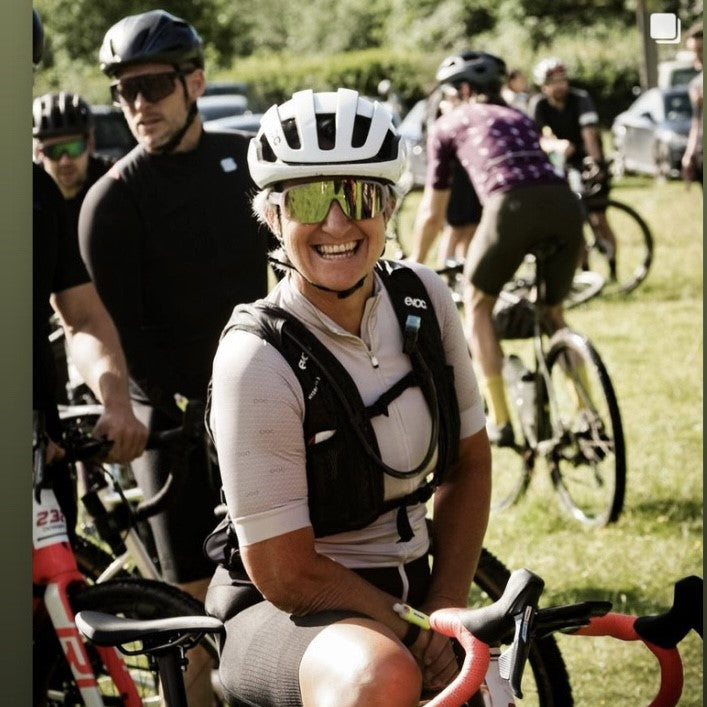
<point x="15" y="349"/>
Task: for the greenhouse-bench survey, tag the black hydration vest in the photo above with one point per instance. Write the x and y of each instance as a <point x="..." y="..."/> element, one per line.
<point x="345" y="471"/>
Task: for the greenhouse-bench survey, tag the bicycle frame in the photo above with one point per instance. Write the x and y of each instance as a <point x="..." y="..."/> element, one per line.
<point x="54" y="567"/>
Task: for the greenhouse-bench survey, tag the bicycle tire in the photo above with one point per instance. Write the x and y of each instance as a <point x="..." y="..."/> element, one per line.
<point x="588" y="465"/>
<point x="551" y="682"/>
<point x="634" y="249"/>
<point x="137" y="598"/>
<point x="586" y="285"/>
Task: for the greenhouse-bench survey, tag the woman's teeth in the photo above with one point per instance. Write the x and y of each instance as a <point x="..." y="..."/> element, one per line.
<point x="336" y="249"/>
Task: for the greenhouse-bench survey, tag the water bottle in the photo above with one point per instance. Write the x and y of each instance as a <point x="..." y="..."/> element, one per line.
<point x="521" y="388"/>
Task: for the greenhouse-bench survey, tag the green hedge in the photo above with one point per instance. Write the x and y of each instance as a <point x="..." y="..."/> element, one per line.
<point x="276" y="77"/>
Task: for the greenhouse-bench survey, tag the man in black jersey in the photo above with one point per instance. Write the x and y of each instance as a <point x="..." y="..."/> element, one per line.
<point x="567" y="114"/>
<point x="64" y="141"/>
<point x="60" y="282"/>
<point x="169" y="237"/>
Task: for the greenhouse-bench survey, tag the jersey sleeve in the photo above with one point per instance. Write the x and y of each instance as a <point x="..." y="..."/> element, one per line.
<point x="257" y="416"/>
<point x="440" y="158"/>
<point x="536" y="110"/>
<point x="587" y="112"/>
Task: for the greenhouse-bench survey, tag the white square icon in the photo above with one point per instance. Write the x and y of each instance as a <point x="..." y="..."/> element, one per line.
<point x="665" y="27"/>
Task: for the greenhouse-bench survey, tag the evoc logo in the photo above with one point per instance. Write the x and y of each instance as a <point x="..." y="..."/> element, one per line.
<point x="415" y="302"/>
<point x="303" y="362"/>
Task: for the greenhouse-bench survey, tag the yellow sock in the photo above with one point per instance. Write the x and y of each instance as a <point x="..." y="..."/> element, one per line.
<point x="495" y="395"/>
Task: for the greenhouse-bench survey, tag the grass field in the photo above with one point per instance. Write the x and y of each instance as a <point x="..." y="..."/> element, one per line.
<point x="651" y="342"/>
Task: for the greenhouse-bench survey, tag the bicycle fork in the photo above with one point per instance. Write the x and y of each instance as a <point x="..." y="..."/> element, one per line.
<point x="54" y="567"/>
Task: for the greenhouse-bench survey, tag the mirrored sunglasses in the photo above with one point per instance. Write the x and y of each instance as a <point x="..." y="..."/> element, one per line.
<point x="72" y="148"/>
<point x="152" y="87"/>
<point x="310" y="202"/>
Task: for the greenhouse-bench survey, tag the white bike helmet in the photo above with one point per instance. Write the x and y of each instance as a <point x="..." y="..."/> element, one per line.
<point x="326" y="134"/>
<point x="545" y="67"/>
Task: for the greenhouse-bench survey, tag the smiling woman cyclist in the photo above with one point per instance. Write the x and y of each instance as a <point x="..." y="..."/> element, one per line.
<point x="340" y="404"/>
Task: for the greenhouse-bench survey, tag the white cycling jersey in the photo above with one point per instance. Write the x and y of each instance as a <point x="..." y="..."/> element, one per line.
<point x="258" y="412"/>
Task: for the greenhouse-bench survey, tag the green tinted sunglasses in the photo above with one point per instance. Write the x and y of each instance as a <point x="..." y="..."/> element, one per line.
<point x="309" y="202"/>
<point x="72" y="148"/>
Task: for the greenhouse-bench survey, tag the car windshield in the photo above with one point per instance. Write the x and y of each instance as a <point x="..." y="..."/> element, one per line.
<point x="677" y="106"/>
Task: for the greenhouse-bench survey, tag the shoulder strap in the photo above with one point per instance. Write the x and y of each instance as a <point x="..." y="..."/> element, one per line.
<point x="315" y="367"/>
<point x="425" y="347"/>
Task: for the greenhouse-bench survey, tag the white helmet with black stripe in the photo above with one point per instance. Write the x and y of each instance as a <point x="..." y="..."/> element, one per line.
<point x="334" y="133"/>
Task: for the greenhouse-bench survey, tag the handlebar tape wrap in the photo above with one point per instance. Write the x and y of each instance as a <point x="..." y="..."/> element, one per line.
<point x="476" y="660"/>
<point x="622" y="627"/>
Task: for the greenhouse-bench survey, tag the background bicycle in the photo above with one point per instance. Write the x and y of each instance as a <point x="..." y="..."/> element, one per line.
<point x="564" y="411"/>
<point x="622" y="265"/>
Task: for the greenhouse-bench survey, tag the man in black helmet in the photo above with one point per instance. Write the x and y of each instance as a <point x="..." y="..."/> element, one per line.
<point x="64" y="140"/>
<point x="60" y="280"/>
<point x="169" y="237"/>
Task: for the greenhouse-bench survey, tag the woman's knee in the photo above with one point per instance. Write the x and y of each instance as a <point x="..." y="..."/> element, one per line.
<point x="350" y="668"/>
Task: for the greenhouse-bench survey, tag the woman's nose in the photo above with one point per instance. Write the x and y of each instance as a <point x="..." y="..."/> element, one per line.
<point x="336" y="219"/>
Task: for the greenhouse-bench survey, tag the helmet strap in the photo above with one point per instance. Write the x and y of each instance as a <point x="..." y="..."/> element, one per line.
<point x="341" y="294"/>
<point x="172" y="143"/>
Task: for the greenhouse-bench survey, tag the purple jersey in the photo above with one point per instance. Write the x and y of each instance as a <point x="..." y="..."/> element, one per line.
<point x="498" y="146"/>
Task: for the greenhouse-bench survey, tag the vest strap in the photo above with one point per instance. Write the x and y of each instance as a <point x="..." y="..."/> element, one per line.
<point x="380" y="407"/>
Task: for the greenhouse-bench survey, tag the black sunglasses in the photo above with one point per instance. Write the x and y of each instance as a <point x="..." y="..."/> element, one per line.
<point x="152" y="87"/>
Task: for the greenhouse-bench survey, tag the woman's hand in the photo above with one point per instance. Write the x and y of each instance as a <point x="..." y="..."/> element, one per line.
<point x="433" y="653"/>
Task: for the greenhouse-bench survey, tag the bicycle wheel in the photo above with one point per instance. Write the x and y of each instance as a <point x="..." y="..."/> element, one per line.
<point x="586" y="284"/>
<point x="135" y="598"/>
<point x="634" y="250"/>
<point x="587" y="459"/>
<point x="546" y="683"/>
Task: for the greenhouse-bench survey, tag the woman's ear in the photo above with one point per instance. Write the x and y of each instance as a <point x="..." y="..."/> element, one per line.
<point x="272" y="218"/>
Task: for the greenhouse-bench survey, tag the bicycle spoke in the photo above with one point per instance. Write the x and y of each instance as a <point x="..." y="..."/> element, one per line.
<point x="587" y="460"/>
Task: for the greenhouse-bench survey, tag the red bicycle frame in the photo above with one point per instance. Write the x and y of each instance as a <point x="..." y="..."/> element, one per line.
<point x="54" y="568"/>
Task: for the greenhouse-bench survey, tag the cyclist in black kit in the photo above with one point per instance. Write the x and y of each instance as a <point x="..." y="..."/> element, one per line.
<point x="60" y="282"/>
<point x="169" y="238"/>
<point x="64" y="140"/>
<point x="567" y="114"/>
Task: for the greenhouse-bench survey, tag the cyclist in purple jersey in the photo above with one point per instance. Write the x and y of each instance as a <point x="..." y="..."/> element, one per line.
<point x="500" y="149"/>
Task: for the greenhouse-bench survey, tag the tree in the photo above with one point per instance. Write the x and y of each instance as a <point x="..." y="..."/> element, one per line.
<point x="77" y="27"/>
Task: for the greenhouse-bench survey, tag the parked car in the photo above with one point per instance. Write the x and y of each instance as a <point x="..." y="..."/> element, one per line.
<point x="677" y="71"/>
<point x="222" y="105"/>
<point x="246" y="122"/>
<point x="650" y="137"/>
<point x="219" y="88"/>
<point x="113" y="136"/>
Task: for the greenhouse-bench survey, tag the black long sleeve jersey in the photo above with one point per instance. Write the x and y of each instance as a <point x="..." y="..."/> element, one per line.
<point x="172" y="245"/>
<point x="56" y="266"/>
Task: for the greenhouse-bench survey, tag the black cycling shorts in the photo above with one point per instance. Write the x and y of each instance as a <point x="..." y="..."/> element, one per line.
<point x="515" y="221"/>
<point x="263" y="648"/>
<point x="464" y="207"/>
<point x="180" y="530"/>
